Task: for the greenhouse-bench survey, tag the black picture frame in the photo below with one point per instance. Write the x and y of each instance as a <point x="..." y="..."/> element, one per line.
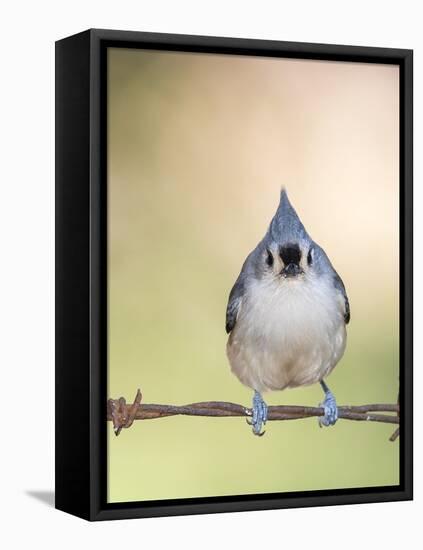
<point x="81" y="272"/>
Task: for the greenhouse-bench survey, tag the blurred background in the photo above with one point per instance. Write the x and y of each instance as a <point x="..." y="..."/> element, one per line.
<point x="198" y="149"/>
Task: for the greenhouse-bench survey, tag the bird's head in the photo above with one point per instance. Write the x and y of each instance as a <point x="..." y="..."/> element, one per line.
<point x="287" y="249"/>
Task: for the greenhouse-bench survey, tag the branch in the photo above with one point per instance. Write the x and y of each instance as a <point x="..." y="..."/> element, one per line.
<point x="123" y="415"/>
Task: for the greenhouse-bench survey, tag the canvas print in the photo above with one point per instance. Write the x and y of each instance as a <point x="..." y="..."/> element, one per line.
<point x="253" y="275"/>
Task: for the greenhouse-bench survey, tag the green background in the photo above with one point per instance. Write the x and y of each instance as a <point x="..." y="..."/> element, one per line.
<point x="198" y="148"/>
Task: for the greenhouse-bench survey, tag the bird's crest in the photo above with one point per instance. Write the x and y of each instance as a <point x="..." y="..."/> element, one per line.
<point x="286" y="226"/>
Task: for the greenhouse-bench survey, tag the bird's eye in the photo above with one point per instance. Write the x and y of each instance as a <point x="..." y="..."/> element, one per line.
<point x="310" y="256"/>
<point x="269" y="258"/>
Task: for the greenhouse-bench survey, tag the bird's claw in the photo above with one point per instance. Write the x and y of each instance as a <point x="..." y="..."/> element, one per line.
<point x="259" y="415"/>
<point x="331" y="410"/>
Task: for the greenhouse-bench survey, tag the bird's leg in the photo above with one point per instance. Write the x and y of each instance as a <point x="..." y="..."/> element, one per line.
<point x="259" y="414"/>
<point x="331" y="409"/>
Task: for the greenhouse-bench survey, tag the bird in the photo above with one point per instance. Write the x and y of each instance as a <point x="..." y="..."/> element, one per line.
<point x="286" y="316"/>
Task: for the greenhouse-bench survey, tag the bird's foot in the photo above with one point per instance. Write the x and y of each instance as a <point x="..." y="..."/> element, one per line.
<point x="259" y="414"/>
<point x="330" y="407"/>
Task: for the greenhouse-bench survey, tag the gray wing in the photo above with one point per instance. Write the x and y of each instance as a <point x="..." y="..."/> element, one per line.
<point x="238" y="290"/>
<point x="337" y="281"/>
<point x="323" y="264"/>
<point x="234" y="302"/>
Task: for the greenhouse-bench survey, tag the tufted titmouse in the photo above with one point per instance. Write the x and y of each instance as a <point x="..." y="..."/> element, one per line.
<point x="286" y="315"/>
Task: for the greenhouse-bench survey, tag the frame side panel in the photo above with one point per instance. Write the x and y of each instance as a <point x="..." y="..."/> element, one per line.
<point x="406" y="255"/>
<point x="72" y="275"/>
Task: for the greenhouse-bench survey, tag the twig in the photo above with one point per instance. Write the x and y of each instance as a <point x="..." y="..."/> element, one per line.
<point x="123" y="415"/>
<point x="394" y="435"/>
<point x="397" y="431"/>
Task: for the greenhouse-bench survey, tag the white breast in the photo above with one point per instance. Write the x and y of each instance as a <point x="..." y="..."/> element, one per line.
<point x="289" y="332"/>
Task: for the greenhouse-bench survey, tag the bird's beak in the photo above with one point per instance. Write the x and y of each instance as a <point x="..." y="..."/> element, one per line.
<point x="291" y="270"/>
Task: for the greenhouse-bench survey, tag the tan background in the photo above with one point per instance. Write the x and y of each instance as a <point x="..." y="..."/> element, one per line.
<point x="199" y="146"/>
